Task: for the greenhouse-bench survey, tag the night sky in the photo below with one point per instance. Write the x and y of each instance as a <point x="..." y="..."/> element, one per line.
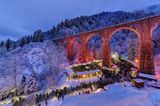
<point x="23" y="17"/>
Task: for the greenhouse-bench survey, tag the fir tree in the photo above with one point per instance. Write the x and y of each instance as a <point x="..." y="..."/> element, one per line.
<point x="8" y="44"/>
<point x="2" y="43"/>
<point x="22" y="42"/>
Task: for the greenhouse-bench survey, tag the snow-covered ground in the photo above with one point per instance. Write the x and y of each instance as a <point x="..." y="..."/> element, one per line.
<point x="117" y="95"/>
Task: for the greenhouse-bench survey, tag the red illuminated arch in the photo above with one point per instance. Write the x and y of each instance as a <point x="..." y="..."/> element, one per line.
<point x="70" y="48"/>
<point x="138" y="35"/>
<point x="88" y="57"/>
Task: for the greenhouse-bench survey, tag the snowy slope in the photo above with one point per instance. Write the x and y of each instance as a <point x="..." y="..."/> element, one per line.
<point x="34" y="63"/>
<point x="117" y="95"/>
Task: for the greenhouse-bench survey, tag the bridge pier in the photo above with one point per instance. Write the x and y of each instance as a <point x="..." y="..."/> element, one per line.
<point x="84" y="53"/>
<point x="107" y="54"/>
<point x="146" y="58"/>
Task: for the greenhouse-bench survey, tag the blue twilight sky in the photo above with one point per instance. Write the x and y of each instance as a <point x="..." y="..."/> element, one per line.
<point x="23" y="17"/>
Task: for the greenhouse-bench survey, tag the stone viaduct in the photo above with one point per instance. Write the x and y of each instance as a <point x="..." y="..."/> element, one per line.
<point x="143" y="28"/>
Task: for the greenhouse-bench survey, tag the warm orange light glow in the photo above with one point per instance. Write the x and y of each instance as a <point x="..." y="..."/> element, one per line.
<point x="136" y="60"/>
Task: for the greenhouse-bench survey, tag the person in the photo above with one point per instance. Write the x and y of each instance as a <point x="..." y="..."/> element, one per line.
<point x="46" y="98"/>
<point x="58" y="95"/>
<point x="39" y="104"/>
<point x="37" y="98"/>
<point x="62" y="97"/>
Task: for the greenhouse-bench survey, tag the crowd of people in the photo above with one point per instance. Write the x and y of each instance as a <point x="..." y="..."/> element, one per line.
<point x="10" y="94"/>
<point x="83" y="88"/>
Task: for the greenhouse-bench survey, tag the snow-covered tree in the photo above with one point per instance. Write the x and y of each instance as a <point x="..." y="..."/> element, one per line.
<point x="57" y="60"/>
<point x="29" y="68"/>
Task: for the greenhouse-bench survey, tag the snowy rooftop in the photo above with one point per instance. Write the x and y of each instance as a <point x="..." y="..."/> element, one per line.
<point x="139" y="80"/>
<point x="89" y="72"/>
<point x="148" y="76"/>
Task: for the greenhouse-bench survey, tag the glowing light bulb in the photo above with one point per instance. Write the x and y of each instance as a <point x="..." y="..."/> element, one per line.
<point x="136" y="60"/>
<point x="113" y="56"/>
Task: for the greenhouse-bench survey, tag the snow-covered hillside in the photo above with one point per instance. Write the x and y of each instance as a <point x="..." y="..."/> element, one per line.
<point x="32" y="67"/>
<point x="116" y="95"/>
